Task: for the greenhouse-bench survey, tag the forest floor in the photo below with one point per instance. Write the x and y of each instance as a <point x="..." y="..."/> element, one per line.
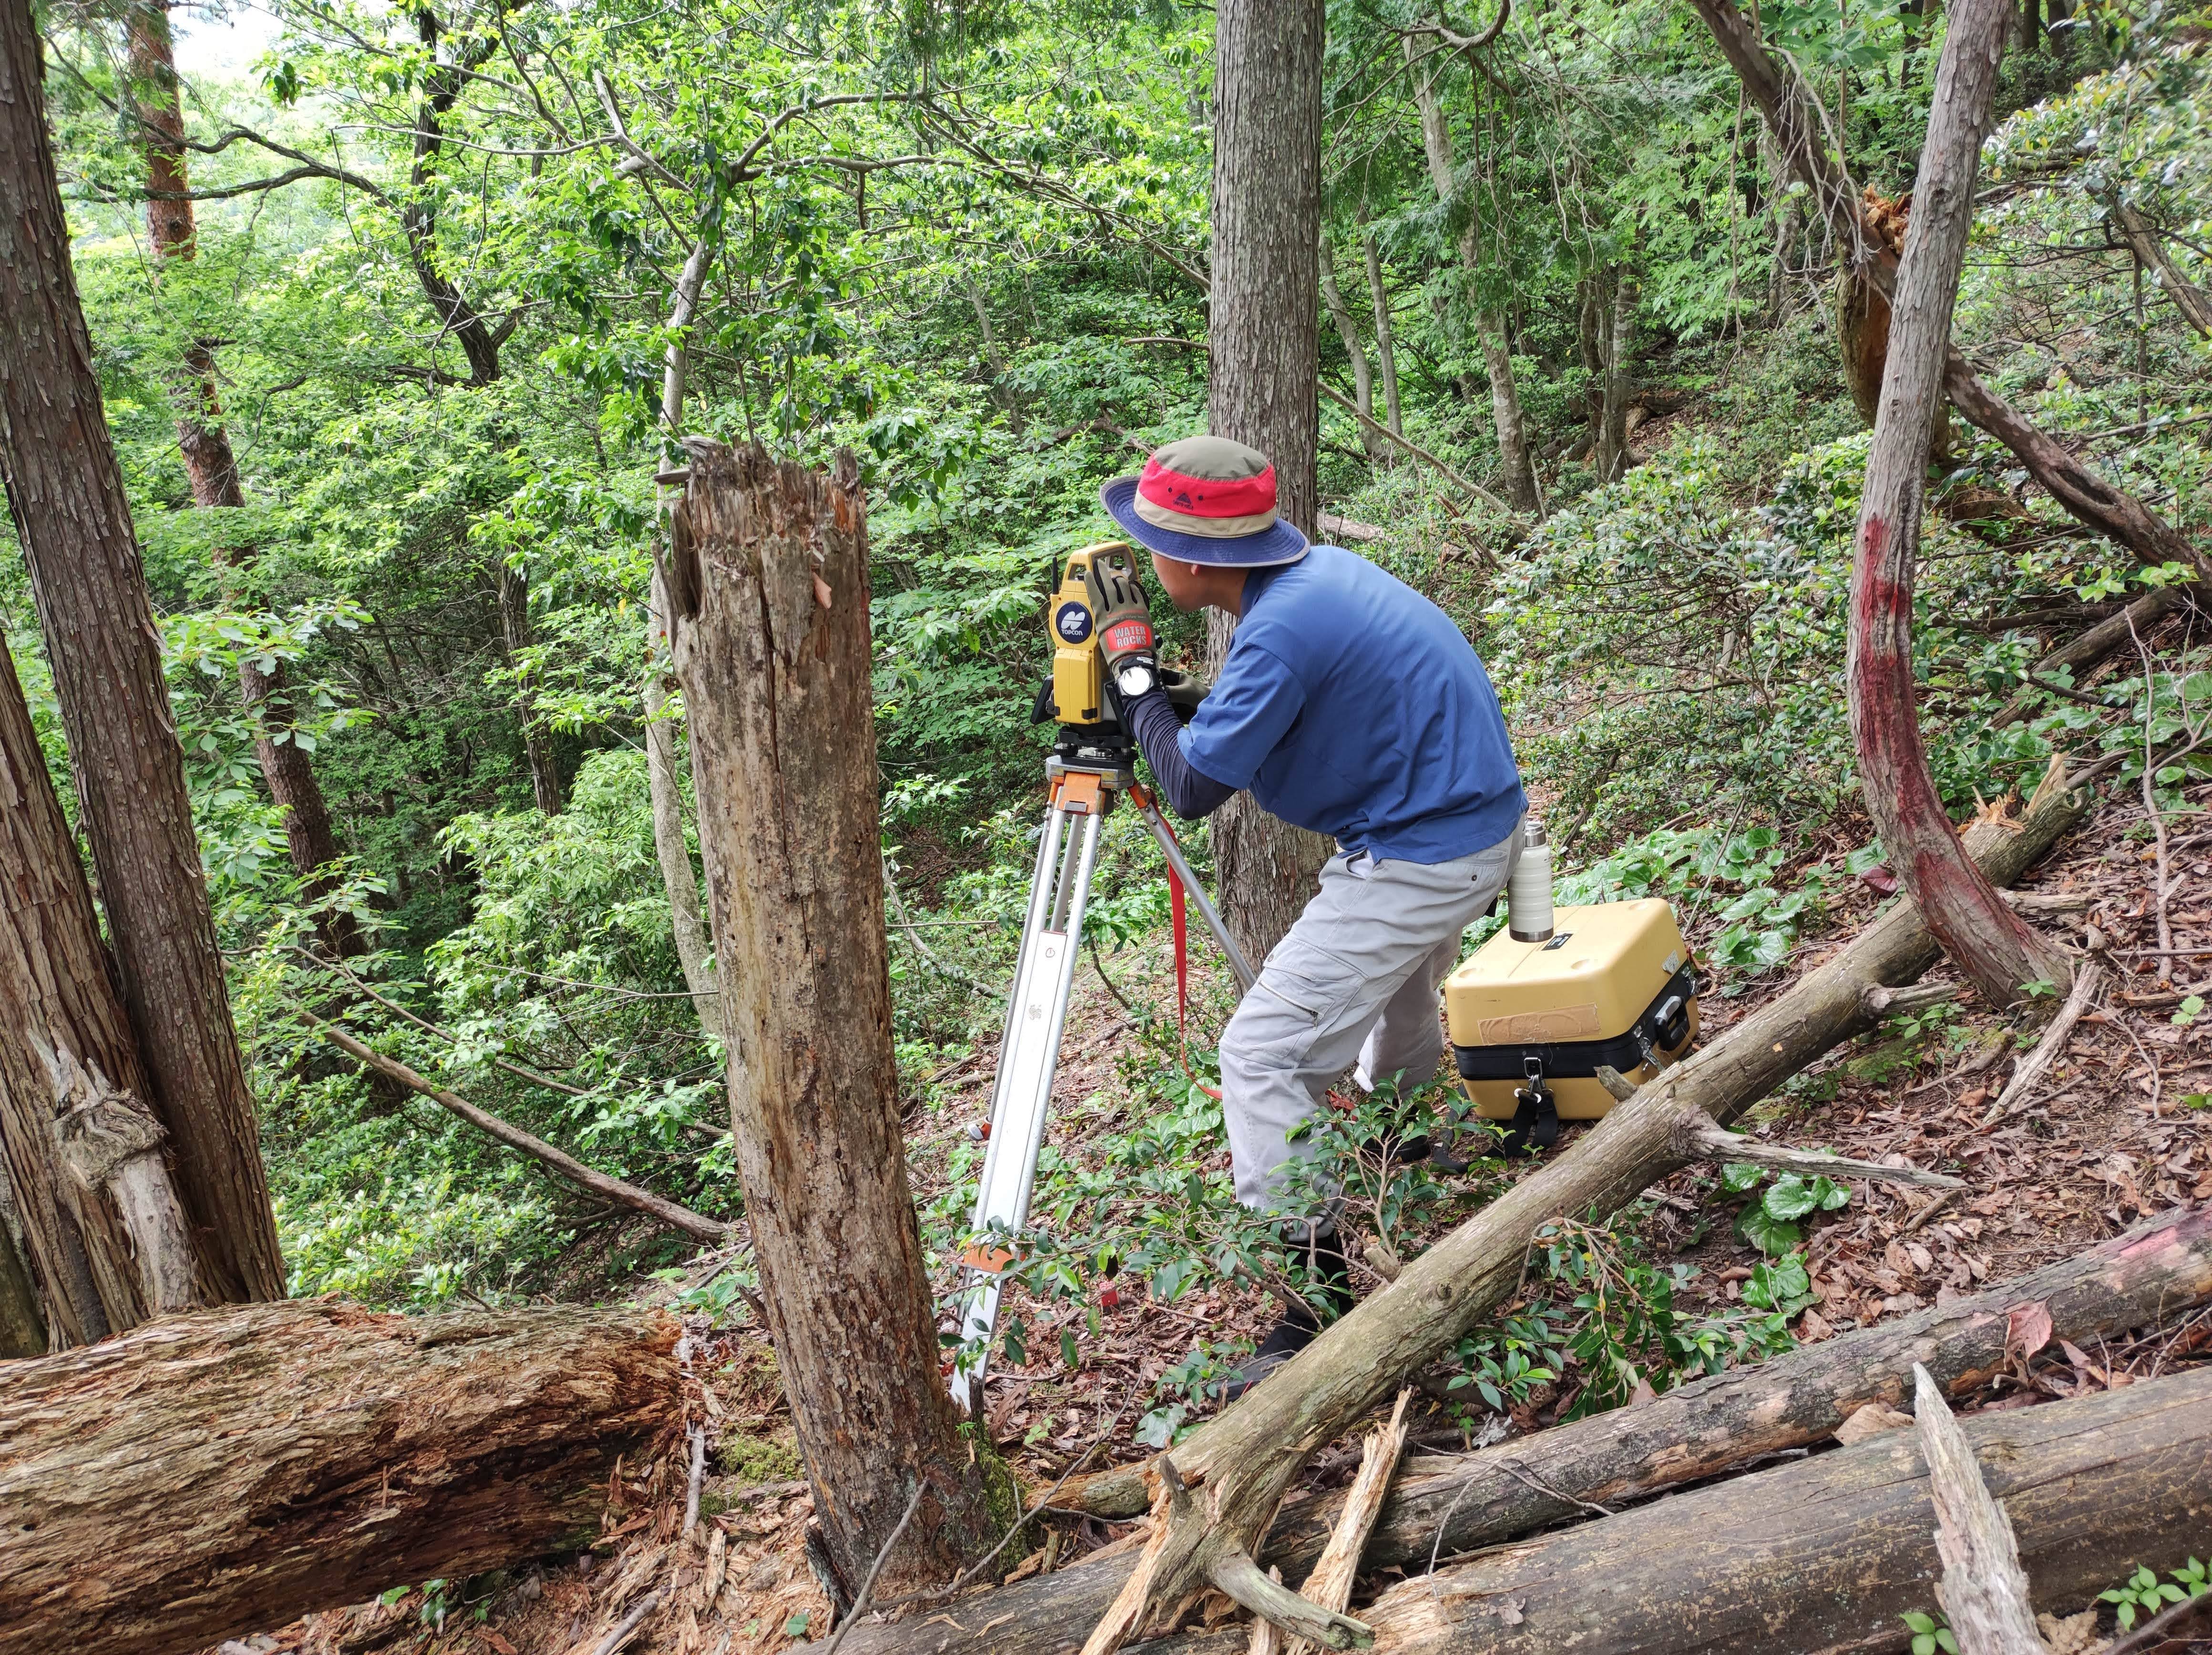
<point x="2120" y="1128"/>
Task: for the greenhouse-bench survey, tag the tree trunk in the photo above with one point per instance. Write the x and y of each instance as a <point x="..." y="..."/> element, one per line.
<point x="545" y="789"/>
<point x="1386" y="349"/>
<point x="768" y="578"/>
<point x="1617" y="354"/>
<point x="1999" y="955"/>
<point x="303" y="1455"/>
<point x="695" y="949"/>
<point x="1788" y="224"/>
<point x="1241" y="1462"/>
<point x="1824" y="1555"/>
<point x="1362" y="371"/>
<point x="1781" y="98"/>
<point x="1264" y="330"/>
<point x="2155" y="1275"/>
<point x="1514" y="464"/>
<point x="209" y="464"/>
<point x="66" y="493"/>
<point x="103" y="1239"/>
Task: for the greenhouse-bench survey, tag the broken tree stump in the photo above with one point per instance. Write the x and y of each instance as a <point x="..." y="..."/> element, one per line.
<point x="1823" y="1554"/>
<point x="208" y="1475"/>
<point x="2156" y="1274"/>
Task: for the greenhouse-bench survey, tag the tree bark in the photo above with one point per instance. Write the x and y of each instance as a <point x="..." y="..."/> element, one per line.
<point x="104" y="1242"/>
<point x="1241" y="1462"/>
<point x="1617" y="334"/>
<point x="66" y="492"/>
<point x="545" y="788"/>
<point x="2110" y="511"/>
<point x="1989" y="942"/>
<point x="2156" y="1274"/>
<point x="22" y="1324"/>
<point x="212" y="468"/>
<point x="767" y="578"/>
<point x="1264" y="330"/>
<point x="1514" y="466"/>
<point x="303" y="1455"/>
<point x="1824" y="1555"/>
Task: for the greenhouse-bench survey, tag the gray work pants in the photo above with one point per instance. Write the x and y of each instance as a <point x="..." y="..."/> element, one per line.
<point x="1356" y="976"/>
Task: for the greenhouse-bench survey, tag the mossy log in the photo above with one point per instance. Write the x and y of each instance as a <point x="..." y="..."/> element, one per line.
<point x="208" y="1475"/>
<point x="2155" y="1275"/>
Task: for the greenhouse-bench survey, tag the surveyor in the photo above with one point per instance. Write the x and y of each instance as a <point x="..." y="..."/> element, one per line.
<point x="1350" y="704"/>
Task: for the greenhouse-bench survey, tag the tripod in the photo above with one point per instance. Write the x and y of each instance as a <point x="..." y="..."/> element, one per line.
<point x="1084" y="779"/>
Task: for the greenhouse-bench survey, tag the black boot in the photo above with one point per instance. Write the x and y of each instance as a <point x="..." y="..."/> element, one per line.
<point x="1323" y="1258"/>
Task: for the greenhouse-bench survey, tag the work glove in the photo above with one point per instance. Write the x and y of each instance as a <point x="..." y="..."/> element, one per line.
<point x="1125" y="624"/>
<point x="1185" y="691"/>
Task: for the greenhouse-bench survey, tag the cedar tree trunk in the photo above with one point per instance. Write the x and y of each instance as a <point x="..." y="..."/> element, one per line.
<point x="1989" y="942"/>
<point x="66" y="492"/>
<point x="1264" y="329"/>
<point x="206" y="1476"/>
<point x="545" y="789"/>
<point x="103" y="1240"/>
<point x="210" y="465"/>
<point x="767" y="582"/>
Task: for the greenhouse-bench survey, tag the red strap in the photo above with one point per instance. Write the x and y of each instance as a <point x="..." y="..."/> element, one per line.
<point x="1182" y="976"/>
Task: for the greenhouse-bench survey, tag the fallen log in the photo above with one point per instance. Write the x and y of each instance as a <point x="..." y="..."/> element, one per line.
<point x="209" y="1475"/>
<point x="2155" y="1274"/>
<point x="2107" y="636"/>
<point x="1240" y="1462"/>
<point x="1826" y="1554"/>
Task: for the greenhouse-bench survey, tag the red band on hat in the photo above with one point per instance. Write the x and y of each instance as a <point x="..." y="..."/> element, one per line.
<point x="1207" y="497"/>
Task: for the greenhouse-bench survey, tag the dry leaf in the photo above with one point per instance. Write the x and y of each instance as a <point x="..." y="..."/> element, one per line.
<point x="1871" y="1421"/>
<point x="2027" y="1328"/>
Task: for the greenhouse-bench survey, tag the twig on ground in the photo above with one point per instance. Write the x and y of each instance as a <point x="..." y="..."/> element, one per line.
<point x="628" y="1624"/>
<point x="698" y="1434"/>
<point x="2150" y="809"/>
<point x="1329" y="1585"/>
<point x="865" y="1596"/>
<point x="2048" y="1049"/>
<point x="1943" y="1198"/>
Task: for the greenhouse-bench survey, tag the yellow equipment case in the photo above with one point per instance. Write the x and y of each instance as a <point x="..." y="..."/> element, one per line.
<point x="1532" y="1022"/>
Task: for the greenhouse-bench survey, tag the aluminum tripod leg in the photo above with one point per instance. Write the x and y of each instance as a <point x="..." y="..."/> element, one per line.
<point x="1029" y="1058"/>
<point x="1181" y="869"/>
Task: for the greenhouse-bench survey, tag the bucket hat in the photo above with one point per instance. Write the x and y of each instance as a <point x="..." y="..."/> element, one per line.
<point x="1206" y="499"/>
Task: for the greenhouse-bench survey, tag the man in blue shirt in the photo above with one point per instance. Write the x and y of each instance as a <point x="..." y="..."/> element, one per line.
<point x="1350" y="704"/>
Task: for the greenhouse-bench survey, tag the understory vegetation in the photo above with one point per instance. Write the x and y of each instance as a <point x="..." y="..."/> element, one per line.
<point x="966" y="244"/>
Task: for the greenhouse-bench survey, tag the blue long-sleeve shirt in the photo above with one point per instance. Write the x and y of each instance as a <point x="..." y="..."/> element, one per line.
<point x="1189" y="791"/>
<point x="1350" y="704"/>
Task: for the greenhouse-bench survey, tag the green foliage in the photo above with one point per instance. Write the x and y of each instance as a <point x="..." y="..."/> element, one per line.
<point x="1602" y="1322"/>
<point x="2143" y="1593"/>
<point x="1771" y="1220"/>
<point x="1930" y="1634"/>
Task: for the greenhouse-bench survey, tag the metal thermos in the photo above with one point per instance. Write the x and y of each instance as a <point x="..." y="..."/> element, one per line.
<point x="1528" y="892"/>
